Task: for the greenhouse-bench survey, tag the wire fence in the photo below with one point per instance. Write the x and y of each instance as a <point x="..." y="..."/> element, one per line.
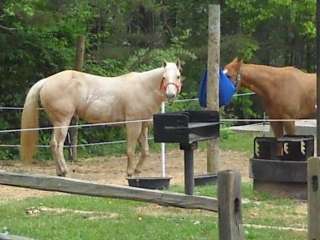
<point x="222" y="121"/>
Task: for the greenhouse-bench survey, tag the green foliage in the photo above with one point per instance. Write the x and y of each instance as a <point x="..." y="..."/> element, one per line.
<point x="239" y="45"/>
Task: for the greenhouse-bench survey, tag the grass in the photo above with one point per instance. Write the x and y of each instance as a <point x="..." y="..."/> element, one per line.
<point x="129" y="222"/>
<point x="77" y="217"/>
<point x="99" y="218"/>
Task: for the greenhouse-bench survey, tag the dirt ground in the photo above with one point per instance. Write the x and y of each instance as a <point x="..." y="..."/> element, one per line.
<point x="112" y="170"/>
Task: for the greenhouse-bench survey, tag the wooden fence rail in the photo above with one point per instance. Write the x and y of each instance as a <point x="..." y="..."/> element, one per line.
<point x="228" y="206"/>
<point x="74" y="186"/>
<point x="12" y="237"/>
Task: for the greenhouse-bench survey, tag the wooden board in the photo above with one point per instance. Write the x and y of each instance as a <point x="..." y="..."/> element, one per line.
<point x="67" y="185"/>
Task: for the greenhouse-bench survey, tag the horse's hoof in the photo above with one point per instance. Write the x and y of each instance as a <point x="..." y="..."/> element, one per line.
<point x="137" y="172"/>
<point x="130" y="173"/>
<point x="62" y="174"/>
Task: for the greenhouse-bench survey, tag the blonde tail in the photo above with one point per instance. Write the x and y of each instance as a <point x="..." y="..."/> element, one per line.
<point x="30" y="119"/>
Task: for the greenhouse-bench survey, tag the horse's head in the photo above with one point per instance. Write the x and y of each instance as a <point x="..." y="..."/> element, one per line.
<point x="232" y="70"/>
<point x="171" y="79"/>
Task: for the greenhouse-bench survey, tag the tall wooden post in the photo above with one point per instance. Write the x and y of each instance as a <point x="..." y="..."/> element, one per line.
<point x="314" y="162"/>
<point x="73" y="132"/>
<point x="80" y="49"/>
<point x="229" y="202"/>
<point x="314" y="198"/>
<point x="213" y="81"/>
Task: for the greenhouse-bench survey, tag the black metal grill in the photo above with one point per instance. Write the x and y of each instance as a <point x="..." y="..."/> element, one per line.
<point x="186" y="128"/>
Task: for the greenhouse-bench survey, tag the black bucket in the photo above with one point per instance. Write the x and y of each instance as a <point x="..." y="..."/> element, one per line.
<point x="159" y="183"/>
<point x="205" y="179"/>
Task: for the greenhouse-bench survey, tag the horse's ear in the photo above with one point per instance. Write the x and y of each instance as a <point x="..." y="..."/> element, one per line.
<point x="178" y="63"/>
<point x="235" y="60"/>
<point x="164" y="64"/>
<point x="238" y="61"/>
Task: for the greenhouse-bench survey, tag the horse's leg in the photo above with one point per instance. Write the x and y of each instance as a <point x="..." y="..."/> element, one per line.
<point x="290" y="128"/>
<point x="57" y="143"/>
<point x="278" y="131"/>
<point x="143" y="140"/>
<point x="133" y="131"/>
<point x="277" y="128"/>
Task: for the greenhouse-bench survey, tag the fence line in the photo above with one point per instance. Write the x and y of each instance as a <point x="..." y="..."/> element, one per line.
<point x="227" y="205"/>
<point x="222" y="121"/>
<point x="75" y="126"/>
<point x="15" y="108"/>
<point x="83" y="187"/>
<point x="77" y="145"/>
<point x="150" y="138"/>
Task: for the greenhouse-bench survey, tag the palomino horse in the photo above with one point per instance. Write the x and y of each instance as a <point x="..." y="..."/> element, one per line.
<point x="286" y="92"/>
<point x="97" y="99"/>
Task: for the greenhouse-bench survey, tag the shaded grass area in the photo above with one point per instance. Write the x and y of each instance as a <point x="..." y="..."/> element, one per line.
<point x="100" y="218"/>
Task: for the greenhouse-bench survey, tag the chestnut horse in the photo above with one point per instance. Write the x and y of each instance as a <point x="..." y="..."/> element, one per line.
<point x="96" y="99"/>
<point x="286" y="92"/>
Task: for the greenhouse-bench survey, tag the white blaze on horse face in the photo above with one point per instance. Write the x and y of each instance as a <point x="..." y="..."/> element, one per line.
<point x="225" y="71"/>
<point x="171" y="91"/>
<point x="172" y="80"/>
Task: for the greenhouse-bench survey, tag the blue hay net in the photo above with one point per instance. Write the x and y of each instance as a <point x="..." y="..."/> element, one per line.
<point x="226" y="89"/>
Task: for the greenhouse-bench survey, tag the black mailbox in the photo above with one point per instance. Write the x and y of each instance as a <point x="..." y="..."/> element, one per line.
<point x="186" y="127"/>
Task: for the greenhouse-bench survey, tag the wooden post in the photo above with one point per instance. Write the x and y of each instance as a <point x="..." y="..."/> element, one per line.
<point x="80" y="53"/>
<point x="73" y="132"/>
<point x="229" y="202"/>
<point x="314" y="198"/>
<point x="213" y="81"/>
<point x="318" y="75"/>
<point x="314" y="162"/>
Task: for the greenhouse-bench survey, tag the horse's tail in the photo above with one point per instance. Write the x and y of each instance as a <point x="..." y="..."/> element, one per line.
<point x="30" y="119"/>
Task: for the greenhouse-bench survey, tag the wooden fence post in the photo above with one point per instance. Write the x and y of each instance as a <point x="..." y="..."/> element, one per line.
<point x="73" y="132"/>
<point x="314" y="162"/>
<point x="314" y="198"/>
<point x="213" y="81"/>
<point x="229" y="202"/>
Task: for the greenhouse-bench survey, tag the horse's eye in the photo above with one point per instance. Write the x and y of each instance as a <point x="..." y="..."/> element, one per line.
<point x="178" y="77"/>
